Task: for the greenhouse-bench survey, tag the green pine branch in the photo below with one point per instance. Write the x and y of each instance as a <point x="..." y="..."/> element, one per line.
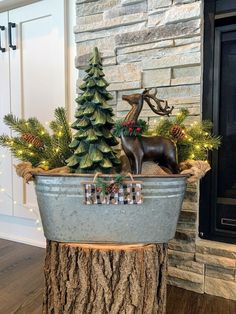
<point x="62" y="134"/>
<point x="55" y="148"/>
<point x="198" y="139"/>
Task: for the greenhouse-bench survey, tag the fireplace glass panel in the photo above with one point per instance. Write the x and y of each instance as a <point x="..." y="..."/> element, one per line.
<point x="226" y="163"/>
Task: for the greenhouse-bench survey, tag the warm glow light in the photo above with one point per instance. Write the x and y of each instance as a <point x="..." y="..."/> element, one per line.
<point x="20" y="152"/>
<point x="2" y="190"/>
<point x="197" y="147"/>
<point x="42" y="132"/>
<point x="31" y="210"/>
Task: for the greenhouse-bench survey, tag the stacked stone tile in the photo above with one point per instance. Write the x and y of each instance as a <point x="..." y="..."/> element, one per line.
<point x="157" y="43"/>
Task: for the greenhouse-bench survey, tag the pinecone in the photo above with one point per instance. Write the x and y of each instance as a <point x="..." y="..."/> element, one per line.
<point x="112" y="188"/>
<point x="177" y="132"/>
<point x="99" y="189"/>
<point x="32" y="139"/>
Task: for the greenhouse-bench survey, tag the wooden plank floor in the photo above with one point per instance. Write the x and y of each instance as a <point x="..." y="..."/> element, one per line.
<point x="21" y="286"/>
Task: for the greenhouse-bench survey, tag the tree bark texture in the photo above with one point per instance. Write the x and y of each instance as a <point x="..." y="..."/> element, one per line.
<point x="102" y="279"/>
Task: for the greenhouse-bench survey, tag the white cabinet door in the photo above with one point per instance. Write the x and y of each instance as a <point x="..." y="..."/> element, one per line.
<point x="6" y="204"/>
<point x="37" y="73"/>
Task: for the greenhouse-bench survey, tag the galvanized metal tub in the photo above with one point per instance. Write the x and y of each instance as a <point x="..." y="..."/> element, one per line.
<point x="66" y="218"/>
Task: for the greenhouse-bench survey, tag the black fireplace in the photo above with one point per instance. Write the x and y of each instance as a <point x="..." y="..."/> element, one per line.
<point x="218" y="189"/>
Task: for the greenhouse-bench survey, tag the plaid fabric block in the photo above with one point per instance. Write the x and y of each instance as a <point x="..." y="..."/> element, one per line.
<point x="129" y="193"/>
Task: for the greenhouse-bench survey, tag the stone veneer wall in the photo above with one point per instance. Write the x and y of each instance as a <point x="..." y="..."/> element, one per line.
<point x="157" y="43"/>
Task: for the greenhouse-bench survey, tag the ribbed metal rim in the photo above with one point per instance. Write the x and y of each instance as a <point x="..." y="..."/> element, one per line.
<point x="171" y="176"/>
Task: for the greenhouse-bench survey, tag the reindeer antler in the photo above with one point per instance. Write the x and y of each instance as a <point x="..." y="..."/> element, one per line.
<point x="160" y="110"/>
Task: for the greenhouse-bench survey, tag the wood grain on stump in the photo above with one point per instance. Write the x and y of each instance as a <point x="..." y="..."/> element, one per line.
<point x="101" y="279"/>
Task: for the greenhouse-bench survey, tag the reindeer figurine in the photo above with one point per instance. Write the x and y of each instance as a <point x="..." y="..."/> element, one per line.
<point x="148" y="148"/>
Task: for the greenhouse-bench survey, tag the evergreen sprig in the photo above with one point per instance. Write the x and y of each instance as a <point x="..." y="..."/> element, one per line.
<point x="104" y="184"/>
<point x="197" y="140"/>
<point x="130" y="128"/>
<point x="54" y="149"/>
<point x="62" y="135"/>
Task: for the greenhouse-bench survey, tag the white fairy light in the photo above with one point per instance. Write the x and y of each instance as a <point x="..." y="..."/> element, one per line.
<point x="9" y="196"/>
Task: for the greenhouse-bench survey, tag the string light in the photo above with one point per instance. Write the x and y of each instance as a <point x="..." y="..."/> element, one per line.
<point x="42" y="132"/>
<point x="9" y="196"/>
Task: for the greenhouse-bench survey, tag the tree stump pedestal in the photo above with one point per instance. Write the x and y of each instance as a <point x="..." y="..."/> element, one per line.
<point x="105" y="278"/>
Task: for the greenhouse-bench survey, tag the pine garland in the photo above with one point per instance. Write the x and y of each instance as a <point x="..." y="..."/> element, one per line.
<point x="34" y="143"/>
<point x="130" y="128"/>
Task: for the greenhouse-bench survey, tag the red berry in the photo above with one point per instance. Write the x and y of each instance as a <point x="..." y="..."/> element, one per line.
<point x="130" y="129"/>
<point x="138" y="129"/>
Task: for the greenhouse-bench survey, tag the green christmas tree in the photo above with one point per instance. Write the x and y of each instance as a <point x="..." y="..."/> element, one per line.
<point x="93" y="142"/>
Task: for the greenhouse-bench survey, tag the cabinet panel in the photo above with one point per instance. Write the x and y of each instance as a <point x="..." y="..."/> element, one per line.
<point x="37" y="73"/>
<point x="6" y="204"/>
